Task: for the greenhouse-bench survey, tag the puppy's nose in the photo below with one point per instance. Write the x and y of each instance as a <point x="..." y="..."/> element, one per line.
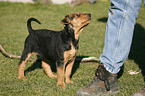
<point x="89" y="14"/>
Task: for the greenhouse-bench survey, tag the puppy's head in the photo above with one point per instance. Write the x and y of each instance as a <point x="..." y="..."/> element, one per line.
<point x="77" y="20"/>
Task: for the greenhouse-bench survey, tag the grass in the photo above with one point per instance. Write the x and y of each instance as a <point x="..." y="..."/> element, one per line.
<point x="13" y="31"/>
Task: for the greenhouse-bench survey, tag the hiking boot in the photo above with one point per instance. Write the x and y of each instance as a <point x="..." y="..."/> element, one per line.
<point x="140" y="93"/>
<point x="103" y="84"/>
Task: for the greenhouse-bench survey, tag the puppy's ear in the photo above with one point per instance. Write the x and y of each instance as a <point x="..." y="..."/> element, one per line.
<point x="66" y="20"/>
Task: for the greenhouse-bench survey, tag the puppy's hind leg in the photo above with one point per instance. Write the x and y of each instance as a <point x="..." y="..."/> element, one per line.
<point x="47" y="68"/>
<point x="21" y="66"/>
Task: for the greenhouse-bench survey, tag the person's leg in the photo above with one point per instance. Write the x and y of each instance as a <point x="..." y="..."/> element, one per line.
<point x="119" y="33"/>
<point x="144" y="3"/>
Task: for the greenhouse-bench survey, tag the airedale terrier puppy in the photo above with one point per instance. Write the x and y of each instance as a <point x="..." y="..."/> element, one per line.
<point x="58" y="46"/>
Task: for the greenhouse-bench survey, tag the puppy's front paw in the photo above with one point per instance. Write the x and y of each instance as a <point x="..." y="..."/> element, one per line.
<point x="53" y="76"/>
<point x="22" y="78"/>
<point x="69" y="81"/>
<point x="62" y="85"/>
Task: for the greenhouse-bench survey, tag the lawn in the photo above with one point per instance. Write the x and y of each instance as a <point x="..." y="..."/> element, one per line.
<point x="13" y="31"/>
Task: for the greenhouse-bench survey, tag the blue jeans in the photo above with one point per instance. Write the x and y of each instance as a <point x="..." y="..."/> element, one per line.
<point x="119" y="33"/>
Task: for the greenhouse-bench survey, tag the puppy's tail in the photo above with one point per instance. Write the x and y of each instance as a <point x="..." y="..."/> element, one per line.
<point x="29" y="24"/>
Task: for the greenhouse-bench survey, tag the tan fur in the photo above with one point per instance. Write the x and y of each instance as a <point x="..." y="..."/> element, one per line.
<point x="22" y="67"/>
<point x="47" y="68"/>
<point x="68" y="71"/>
<point x="60" y="77"/>
<point x="69" y="54"/>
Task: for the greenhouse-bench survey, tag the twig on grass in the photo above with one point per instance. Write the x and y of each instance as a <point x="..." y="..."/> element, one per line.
<point x="5" y="53"/>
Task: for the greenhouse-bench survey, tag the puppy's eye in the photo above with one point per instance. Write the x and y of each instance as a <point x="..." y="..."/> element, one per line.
<point x="77" y="15"/>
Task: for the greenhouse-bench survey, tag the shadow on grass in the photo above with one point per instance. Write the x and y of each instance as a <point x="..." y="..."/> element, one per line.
<point x="137" y="51"/>
<point x="38" y="65"/>
<point x="103" y="19"/>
